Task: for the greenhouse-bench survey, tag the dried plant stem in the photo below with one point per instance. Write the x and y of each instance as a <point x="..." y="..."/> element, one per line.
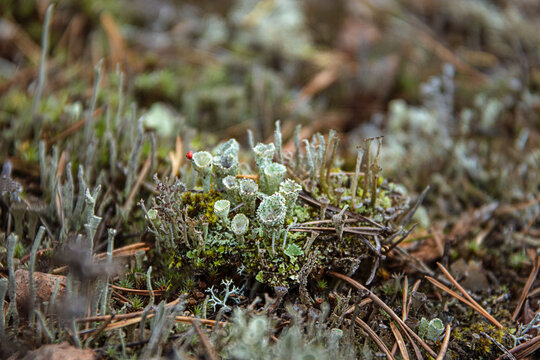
<point x="72" y="129"/>
<point x="450" y="291"/>
<point x="375" y="338"/>
<point x="375" y="170"/>
<point x="526" y="289"/>
<point x="131" y="198"/>
<point x="182" y="319"/>
<point x="445" y="343"/>
<point x="136" y="291"/>
<point x="385" y="307"/>
<point x="523" y="350"/>
<point x="475" y="306"/>
<point x="405" y="313"/>
<point x="128" y="250"/>
<point x="400" y="341"/>
<point x="208" y="348"/>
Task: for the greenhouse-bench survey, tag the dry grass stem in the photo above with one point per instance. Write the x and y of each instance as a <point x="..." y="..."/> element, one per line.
<point x="476" y="306"/>
<point x="386" y="308"/>
<point x="375" y="338"/>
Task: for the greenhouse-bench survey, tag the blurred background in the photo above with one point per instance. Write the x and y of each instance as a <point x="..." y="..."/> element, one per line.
<point x="452" y="85"/>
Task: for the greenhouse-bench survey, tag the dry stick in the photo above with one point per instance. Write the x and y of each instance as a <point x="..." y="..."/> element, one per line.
<point x="444" y="346"/>
<point x="385" y="307"/>
<point x="209" y="349"/>
<point x="499" y="345"/>
<point x="480" y="309"/>
<point x="443" y="287"/>
<point x="404" y="313"/>
<point x="351" y="230"/>
<point x="404" y="309"/>
<point x="362" y="303"/>
<point x="375" y="338"/>
<point x="94" y="334"/>
<point x="318" y="222"/>
<point x="136" y="291"/>
<point x="527" y="287"/>
<point x="122" y="297"/>
<point x="73" y="128"/>
<point x="182" y="319"/>
<point x="400" y="342"/>
<point x="128" y="250"/>
<point x="407" y="307"/>
<point x="125" y="250"/>
<point x="307" y="198"/>
<point x="176" y="157"/>
<point x="120" y="316"/>
<point x="413" y="290"/>
<point x="530" y="223"/>
<point x="534" y="292"/>
<point x="524" y="349"/>
<point x="129" y="202"/>
<point x="415" y="347"/>
<point x="474" y="306"/>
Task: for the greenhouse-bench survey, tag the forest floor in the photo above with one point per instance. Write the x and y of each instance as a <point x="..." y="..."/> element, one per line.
<point x="381" y="197"/>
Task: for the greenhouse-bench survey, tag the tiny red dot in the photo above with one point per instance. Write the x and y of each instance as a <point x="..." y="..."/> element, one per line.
<point x="189" y="155"/>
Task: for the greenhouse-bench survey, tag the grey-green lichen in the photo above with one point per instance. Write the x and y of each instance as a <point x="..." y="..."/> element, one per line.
<point x="265" y="223"/>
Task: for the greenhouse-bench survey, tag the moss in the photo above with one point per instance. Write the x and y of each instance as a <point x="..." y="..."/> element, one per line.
<point x="201" y="205"/>
<point x="478" y="345"/>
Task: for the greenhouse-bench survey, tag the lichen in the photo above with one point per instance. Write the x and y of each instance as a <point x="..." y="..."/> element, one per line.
<point x="267" y="237"/>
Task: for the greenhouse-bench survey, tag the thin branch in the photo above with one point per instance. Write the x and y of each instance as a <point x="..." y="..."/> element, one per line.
<point x="209" y="349"/>
<point x="479" y="308"/>
<point x="530" y="280"/>
<point x="446" y="340"/>
<point x="385" y="307"/>
<point x="375" y="338"/>
<point x="400" y="342"/>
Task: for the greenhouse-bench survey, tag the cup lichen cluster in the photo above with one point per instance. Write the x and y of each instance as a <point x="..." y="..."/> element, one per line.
<point x="260" y="222"/>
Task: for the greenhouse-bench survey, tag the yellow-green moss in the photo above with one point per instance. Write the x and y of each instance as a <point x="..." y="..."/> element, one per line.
<point x="476" y="344"/>
<point x="201" y="205"/>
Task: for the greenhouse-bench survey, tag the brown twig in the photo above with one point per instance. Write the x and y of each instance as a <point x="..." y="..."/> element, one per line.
<point x="131" y="197"/>
<point x="413" y="290"/>
<point x="209" y="349"/>
<point x="157" y="292"/>
<point x="375" y="338"/>
<point x="127" y="250"/>
<point x="386" y="308"/>
<point x="176" y="157"/>
<point x="39" y="253"/>
<point x="527" y="287"/>
<point x="72" y="129"/>
<point x="351" y="230"/>
<point x="477" y="306"/>
<point x="524" y="349"/>
<point x="400" y="342"/>
<point x="474" y="306"/>
<point x="122" y="297"/>
<point x="404" y="312"/>
<point x="444" y="345"/>
<point x="101" y="328"/>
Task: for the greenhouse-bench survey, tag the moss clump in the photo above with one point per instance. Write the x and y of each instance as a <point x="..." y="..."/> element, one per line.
<point x="200" y="205"/>
<point x="478" y="345"/>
